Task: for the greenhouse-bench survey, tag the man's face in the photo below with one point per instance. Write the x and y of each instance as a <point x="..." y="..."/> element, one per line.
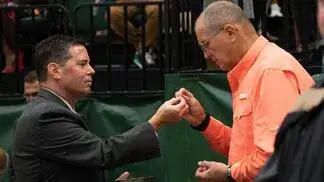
<point x="216" y="46"/>
<point x="31" y="90"/>
<point x="76" y="74"/>
<point x="320" y="16"/>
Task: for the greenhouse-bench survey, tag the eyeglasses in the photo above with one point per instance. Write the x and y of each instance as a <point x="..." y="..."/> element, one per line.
<point x="205" y="43"/>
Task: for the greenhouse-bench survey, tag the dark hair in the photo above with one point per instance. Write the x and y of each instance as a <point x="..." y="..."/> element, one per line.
<point x="30" y="77"/>
<point x="53" y="49"/>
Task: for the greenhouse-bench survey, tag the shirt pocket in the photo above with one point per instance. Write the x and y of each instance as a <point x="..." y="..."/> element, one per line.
<point x="242" y="130"/>
<point x="243" y="109"/>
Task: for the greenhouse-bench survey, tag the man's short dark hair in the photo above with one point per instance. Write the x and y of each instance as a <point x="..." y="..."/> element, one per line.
<point x="53" y="49"/>
<point x="30" y="77"/>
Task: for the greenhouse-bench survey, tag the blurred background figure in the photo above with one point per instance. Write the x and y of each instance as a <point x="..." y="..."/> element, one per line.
<point x="134" y="32"/>
<point x="31" y="86"/>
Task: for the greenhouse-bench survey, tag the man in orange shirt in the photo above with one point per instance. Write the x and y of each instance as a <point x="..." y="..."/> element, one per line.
<point x="265" y="81"/>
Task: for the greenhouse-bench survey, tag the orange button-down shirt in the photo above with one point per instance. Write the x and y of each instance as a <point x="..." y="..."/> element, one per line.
<point x="264" y="86"/>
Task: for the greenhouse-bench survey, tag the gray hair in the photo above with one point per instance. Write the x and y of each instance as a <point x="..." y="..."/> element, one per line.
<point x="220" y="13"/>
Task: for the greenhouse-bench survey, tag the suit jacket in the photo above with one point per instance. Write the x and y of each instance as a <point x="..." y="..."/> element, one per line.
<point x="52" y="143"/>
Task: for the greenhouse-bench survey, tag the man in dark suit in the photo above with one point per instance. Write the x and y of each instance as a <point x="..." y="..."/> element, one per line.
<point x="51" y="141"/>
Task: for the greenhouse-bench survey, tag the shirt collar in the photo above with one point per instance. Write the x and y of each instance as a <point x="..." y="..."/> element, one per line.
<point x="65" y="102"/>
<point x="240" y="70"/>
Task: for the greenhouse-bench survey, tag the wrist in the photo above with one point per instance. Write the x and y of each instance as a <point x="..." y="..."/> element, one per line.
<point x="155" y="123"/>
<point x="202" y="124"/>
<point x="200" y="119"/>
<point x="229" y="175"/>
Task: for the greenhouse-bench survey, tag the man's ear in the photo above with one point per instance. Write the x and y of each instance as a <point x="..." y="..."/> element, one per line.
<point x="54" y="71"/>
<point x="231" y="32"/>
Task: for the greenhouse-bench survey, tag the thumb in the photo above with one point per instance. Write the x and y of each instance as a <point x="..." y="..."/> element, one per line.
<point x="123" y="176"/>
<point x="177" y="101"/>
<point x="200" y="173"/>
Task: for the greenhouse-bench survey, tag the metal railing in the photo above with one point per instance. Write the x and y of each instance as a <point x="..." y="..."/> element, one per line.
<point x="185" y="52"/>
<point x="111" y="40"/>
<point x="22" y="28"/>
<point x="176" y="46"/>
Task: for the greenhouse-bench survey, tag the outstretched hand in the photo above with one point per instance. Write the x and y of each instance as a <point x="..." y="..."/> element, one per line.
<point x="196" y="113"/>
<point x="170" y="111"/>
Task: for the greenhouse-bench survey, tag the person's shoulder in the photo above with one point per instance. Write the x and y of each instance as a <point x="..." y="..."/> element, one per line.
<point x="275" y="57"/>
<point x="40" y="107"/>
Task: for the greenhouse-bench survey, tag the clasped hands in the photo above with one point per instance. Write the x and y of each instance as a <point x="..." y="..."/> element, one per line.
<point x="186" y="106"/>
<point x="183" y="106"/>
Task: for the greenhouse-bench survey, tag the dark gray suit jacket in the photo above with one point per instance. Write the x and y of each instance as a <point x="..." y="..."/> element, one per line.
<point x="51" y="143"/>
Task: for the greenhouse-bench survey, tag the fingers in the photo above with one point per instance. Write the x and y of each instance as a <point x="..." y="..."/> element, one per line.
<point x="183" y="92"/>
<point x="176" y="101"/>
<point x="186" y="98"/>
<point x="183" y="111"/>
<point x="202" y="169"/>
<point x="201" y="172"/>
<point x="180" y="104"/>
<point x="206" y="164"/>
